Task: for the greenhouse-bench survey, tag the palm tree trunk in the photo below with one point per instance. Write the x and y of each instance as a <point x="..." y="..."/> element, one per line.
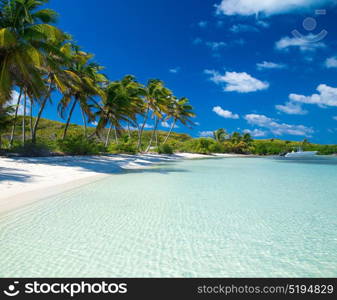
<point x="116" y="136"/>
<point x="129" y="131"/>
<point x="38" y="119"/>
<point x="108" y="136"/>
<point x="142" y="129"/>
<point x="24" y="120"/>
<point x="84" y="123"/>
<point x="15" y="119"/>
<point x="138" y="131"/>
<point x="40" y="112"/>
<point x="68" y="120"/>
<point x="168" y="135"/>
<point x="153" y="134"/>
<point x="157" y="144"/>
<point x="31" y="118"/>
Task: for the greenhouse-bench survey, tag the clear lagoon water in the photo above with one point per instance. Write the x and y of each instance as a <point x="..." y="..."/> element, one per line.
<point x="232" y="217"/>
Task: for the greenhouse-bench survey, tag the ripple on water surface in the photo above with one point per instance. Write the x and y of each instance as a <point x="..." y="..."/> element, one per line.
<point x="235" y="217"/>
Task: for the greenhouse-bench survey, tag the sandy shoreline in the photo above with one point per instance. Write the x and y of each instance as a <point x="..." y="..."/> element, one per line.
<point x="25" y="180"/>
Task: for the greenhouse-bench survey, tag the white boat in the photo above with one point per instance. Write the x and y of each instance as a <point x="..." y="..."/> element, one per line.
<point x="300" y="153"/>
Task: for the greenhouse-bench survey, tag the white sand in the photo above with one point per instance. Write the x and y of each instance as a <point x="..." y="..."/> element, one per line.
<point x="24" y="180"/>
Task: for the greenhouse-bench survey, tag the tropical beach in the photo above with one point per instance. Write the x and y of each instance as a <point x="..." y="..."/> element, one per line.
<point x="200" y="148"/>
<point x="25" y="180"/>
<point x="182" y="219"/>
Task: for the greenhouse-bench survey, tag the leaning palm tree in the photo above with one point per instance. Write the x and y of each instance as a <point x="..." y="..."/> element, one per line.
<point x="57" y="77"/>
<point x="180" y="111"/>
<point x="122" y="103"/>
<point x="26" y="43"/>
<point x="11" y="140"/>
<point x="156" y="99"/>
<point x="153" y="91"/>
<point x="25" y="36"/>
<point x="236" y="137"/>
<point x="88" y="84"/>
<point x="247" y="138"/>
<point x="160" y="108"/>
<point x="220" y="135"/>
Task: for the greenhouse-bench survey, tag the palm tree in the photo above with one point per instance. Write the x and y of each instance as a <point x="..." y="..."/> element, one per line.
<point x="220" y="135"/>
<point x="26" y="42"/>
<point x="87" y="85"/>
<point x="236" y="137"/>
<point x="11" y="140"/>
<point x="57" y="77"/>
<point x="153" y="93"/>
<point x="122" y="103"/>
<point x="180" y="111"/>
<point x="247" y="138"/>
<point x="156" y="103"/>
<point x="25" y="36"/>
<point x="159" y="110"/>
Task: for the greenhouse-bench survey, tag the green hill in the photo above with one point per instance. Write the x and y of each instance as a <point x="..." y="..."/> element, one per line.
<point x="50" y="133"/>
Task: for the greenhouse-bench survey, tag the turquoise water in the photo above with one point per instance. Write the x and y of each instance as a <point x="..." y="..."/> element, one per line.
<point x="233" y="217"/>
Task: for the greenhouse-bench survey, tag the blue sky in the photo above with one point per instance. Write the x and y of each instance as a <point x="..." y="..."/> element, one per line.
<point x="240" y="62"/>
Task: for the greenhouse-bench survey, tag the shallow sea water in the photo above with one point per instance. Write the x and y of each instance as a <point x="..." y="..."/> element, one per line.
<point x="232" y="217"/>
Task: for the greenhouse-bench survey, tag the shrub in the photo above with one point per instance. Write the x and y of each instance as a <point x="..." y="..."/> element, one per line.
<point x="217" y="148"/>
<point x="80" y="145"/>
<point x="201" y="145"/>
<point x="126" y="148"/>
<point x="165" y="149"/>
<point x="30" y="149"/>
<point x="240" y="148"/>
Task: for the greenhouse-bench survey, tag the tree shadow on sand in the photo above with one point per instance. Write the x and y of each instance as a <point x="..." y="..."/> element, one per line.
<point x="110" y="164"/>
<point x="13" y="175"/>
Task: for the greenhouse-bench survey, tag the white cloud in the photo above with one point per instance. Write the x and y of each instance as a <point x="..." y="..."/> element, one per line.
<point x="206" y="133"/>
<point x="14" y="100"/>
<point x="335" y="118"/>
<point x="243" y="28"/>
<point x="327" y="97"/>
<point x="262" y="23"/>
<point x="203" y="24"/>
<point x="266" y="7"/>
<point x="269" y="65"/>
<point x="256" y="132"/>
<point x="174" y="70"/>
<point x="291" y="108"/>
<point x="278" y="128"/>
<point x="216" y="45"/>
<point x="94" y="123"/>
<point x="225" y="113"/>
<point x="304" y="43"/>
<point x="237" y="82"/>
<point x="148" y="126"/>
<point x="166" y="124"/>
<point x="331" y="62"/>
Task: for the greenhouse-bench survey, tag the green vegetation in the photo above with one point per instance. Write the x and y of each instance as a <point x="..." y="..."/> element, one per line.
<point x="165" y="149"/>
<point x="276" y="146"/>
<point x="86" y="141"/>
<point x="42" y="64"/>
